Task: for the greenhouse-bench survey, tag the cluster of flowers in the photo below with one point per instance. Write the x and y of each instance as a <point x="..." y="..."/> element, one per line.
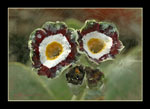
<point x="55" y="47"/>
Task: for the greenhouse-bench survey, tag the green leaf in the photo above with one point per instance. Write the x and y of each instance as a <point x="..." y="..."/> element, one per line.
<point x="59" y="87"/>
<point x="124" y="77"/>
<point x="24" y="84"/>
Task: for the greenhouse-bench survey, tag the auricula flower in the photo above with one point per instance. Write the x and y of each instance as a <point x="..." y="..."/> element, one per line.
<point x="52" y="48"/>
<point x="77" y="75"/>
<point x="99" y="41"/>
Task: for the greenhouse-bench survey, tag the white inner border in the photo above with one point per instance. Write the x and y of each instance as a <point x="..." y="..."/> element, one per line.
<point x="101" y="36"/>
<point x="42" y="48"/>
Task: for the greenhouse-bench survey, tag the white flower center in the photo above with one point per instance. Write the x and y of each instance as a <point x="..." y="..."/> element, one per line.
<point x="97" y="44"/>
<point x="54" y="49"/>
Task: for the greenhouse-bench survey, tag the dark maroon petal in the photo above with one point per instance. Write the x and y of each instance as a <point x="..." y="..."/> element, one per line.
<point x="36" y="57"/>
<point x="36" y="60"/>
<point x="71" y="57"/>
<point x="103" y="57"/>
<point x="35" y="48"/>
<point x="113" y="51"/>
<point x="115" y="37"/>
<point x="62" y="31"/>
<point x="116" y="44"/>
<point x="39" y="36"/>
<point x="50" y="73"/>
<point x="43" y="70"/>
<point x="80" y="41"/>
<point x="110" y="30"/>
<point x="53" y="69"/>
<point x="90" y="28"/>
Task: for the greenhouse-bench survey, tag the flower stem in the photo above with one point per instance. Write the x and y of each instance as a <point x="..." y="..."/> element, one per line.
<point x="74" y="97"/>
<point x="83" y="94"/>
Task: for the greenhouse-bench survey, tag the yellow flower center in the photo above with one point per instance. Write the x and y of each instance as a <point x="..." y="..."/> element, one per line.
<point x="53" y="50"/>
<point x="96" y="45"/>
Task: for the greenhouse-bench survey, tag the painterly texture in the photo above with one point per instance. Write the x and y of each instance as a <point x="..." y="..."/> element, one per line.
<point x="123" y="76"/>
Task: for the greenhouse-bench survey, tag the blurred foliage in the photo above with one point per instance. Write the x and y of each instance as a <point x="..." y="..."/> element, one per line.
<point x="129" y="43"/>
<point x="74" y="23"/>
<point x="18" y="47"/>
<point x="124" y="77"/>
<point x="24" y="84"/>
